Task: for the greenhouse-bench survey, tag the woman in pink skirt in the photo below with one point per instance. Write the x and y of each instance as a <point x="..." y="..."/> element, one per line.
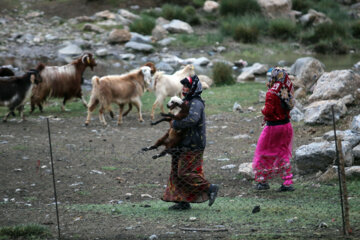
<point x="273" y="151"/>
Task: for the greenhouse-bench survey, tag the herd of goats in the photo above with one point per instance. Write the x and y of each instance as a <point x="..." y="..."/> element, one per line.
<point x="65" y="81"/>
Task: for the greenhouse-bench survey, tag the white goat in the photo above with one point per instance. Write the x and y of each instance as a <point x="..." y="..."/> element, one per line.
<point x="165" y="85"/>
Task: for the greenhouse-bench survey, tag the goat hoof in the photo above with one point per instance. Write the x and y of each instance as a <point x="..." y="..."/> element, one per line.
<point x="155" y="156"/>
<point x="86" y="124"/>
<point x="145" y="149"/>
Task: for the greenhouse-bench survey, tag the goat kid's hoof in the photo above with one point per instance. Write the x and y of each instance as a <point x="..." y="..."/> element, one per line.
<point x="145" y="149"/>
<point x="155" y="156"/>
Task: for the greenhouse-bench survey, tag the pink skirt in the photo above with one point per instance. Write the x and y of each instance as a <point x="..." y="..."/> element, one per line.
<point x="273" y="153"/>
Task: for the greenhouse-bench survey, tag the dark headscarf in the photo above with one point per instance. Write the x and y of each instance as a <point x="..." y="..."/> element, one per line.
<point x="195" y="86"/>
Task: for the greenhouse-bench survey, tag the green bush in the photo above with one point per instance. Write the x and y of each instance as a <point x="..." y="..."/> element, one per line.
<point x="324" y="31"/>
<point x="198" y="3"/>
<point x="144" y="25"/>
<point x="187" y="13"/>
<point x="170" y="12"/>
<point x="355" y="29"/>
<point x="245" y="29"/>
<point x="331" y="46"/>
<point x="282" y="28"/>
<point x="29" y="231"/>
<point x="301" y="5"/>
<point x="239" y="7"/>
<point x="222" y="74"/>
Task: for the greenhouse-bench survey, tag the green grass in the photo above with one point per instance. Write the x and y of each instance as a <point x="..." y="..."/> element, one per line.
<point x="295" y="214"/>
<point x="109" y="168"/>
<point x="28" y="231"/>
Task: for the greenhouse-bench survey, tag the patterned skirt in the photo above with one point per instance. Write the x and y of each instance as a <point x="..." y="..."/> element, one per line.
<point x="186" y="182"/>
<point x="273" y="153"/>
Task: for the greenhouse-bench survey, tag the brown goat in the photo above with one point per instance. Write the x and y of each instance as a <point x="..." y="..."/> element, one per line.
<point x="62" y="81"/>
<point x="178" y="110"/>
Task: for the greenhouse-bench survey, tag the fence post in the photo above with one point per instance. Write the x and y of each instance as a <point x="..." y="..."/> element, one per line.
<point x="344" y="188"/>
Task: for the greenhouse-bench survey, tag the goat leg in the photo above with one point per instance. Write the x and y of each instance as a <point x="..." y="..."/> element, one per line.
<point x="163" y="153"/>
<point x="149" y="148"/>
<point x="161" y="120"/>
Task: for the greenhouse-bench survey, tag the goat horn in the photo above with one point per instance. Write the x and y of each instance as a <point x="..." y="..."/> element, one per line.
<point x="83" y="58"/>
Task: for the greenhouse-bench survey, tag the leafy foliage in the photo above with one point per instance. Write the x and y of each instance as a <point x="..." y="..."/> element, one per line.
<point x="222" y="74"/>
<point x="239" y="7"/>
<point x="144" y="25"/>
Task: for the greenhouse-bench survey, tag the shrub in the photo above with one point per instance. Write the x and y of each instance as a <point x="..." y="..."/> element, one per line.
<point x="187" y="14"/>
<point x="355" y="29"/>
<point x="222" y="74"/>
<point x="239" y="7"/>
<point x="171" y="12"/>
<point x="198" y="3"/>
<point x="331" y="46"/>
<point x="246" y="28"/>
<point x="144" y="25"/>
<point x="301" y="5"/>
<point x="282" y="28"/>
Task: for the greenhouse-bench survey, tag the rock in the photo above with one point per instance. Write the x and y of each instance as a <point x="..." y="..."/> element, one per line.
<point x="205" y="79"/>
<point x="128" y="56"/>
<point x="353" y="171"/>
<point x="296" y="115"/>
<point x="246" y="170"/>
<point x="161" y="21"/>
<point x="203" y="61"/>
<point x="307" y="71"/>
<point x="136" y="37"/>
<point x="129" y="15"/>
<point x="210" y="6"/>
<point x="352" y="137"/>
<point x="355" y="124"/>
<point x="335" y="84"/>
<point x="230" y="166"/>
<point x="319" y="155"/>
<point x="163" y="66"/>
<point x="177" y="26"/>
<point x="245" y="76"/>
<point x="102" y="52"/>
<point x="159" y="33"/>
<point x="166" y="41"/>
<point x="356" y="152"/>
<point x="105" y="15"/>
<point x="276" y="8"/>
<point x="119" y="36"/>
<point x="329" y="175"/>
<point x="141" y="47"/>
<point x="70" y="50"/>
<point x="300" y="93"/>
<point x="257" y="69"/>
<point x="348" y="100"/>
<point x="92" y="28"/>
<point x="320" y="112"/>
<point x="314" y="18"/>
<point x="237" y="108"/>
<point x="262" y="96"/>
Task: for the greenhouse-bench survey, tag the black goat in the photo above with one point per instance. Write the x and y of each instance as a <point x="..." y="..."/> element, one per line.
<point x="15" y="90"/>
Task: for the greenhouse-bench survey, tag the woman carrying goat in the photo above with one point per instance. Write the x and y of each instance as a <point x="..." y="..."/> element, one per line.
<point x="187" y="183"/>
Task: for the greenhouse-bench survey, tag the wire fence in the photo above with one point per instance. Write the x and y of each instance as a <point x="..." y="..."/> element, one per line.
<point x="110" y="188"/>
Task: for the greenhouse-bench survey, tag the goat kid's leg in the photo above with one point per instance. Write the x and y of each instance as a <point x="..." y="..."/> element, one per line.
<point x="21" y="113"/>
<point x="149" y="148"/>
<point x="101" y="115"/>
<point x="163" y="153"/>
<point x="121" y="108"/>
<point x="92" y="105"/>
<point x="83" y="100"/>
<point x="137" y="103"/>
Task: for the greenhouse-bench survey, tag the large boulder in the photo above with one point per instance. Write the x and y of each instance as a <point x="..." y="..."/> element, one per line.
<point x="355" y="124"/>
<point x="119" y="36"/>
<point x="210" y="6"/>
<point x="159" y="32"/>
<point x="307" y="71"/>
<point x="352" y="137"/>
<point x="335" y="84"/>
<point x="276" y="8"/>
<point x="177" y="26"/>
<point x="320" y="112"/>
<point x="140" y="47"/>
<point x="356" y="152"/>
<point x="318" y="156"/>
<point x="314" y="18"/>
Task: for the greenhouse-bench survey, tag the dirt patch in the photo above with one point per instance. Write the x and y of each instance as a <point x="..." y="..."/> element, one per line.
<point x="102" y="165"/>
